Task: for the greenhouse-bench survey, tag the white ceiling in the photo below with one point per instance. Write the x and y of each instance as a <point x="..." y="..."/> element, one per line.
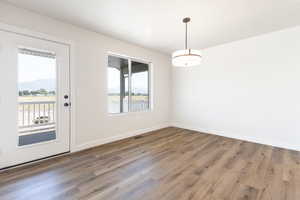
<point x="156" y="24"/>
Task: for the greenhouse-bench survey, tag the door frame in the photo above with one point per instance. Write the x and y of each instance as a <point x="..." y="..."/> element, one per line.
<point x="70" y="43"/>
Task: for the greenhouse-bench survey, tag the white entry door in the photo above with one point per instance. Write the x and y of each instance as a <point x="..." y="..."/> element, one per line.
<point x="34" y="99"/>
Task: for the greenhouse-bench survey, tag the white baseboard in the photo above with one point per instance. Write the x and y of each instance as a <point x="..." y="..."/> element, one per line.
<point x="118" y="137"/>
<point x="236" y="136"/>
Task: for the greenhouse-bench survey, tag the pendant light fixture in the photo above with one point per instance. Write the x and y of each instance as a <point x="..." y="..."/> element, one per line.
<point x="187" y="57"/>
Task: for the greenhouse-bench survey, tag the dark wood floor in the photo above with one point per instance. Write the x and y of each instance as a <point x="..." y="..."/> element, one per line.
<point x="167" y="164"/>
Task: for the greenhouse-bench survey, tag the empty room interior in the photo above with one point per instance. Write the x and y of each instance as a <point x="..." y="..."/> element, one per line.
<point x="149" y="100"/>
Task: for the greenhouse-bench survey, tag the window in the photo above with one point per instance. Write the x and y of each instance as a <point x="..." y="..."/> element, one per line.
<point x="128" y="85"/>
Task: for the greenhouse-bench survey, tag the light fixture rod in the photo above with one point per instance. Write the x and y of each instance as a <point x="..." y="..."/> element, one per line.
<point x="186" y="36"/>
<point x="186" y="21"/>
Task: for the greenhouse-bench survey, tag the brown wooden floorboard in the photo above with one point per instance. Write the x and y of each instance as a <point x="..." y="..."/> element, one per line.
<point x="167" y="164"/>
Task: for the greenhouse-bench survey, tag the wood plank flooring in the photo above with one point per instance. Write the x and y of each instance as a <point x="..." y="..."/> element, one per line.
<point x="169" y="164"/>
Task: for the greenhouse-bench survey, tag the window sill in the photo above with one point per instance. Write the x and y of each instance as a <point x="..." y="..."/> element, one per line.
<point x="129" y="113"/>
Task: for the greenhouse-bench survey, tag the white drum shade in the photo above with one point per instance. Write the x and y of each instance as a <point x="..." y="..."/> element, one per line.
<point x="186" y="58"/>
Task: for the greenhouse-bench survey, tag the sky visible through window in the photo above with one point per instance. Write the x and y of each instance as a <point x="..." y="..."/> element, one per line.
<point x="36" y="72"/>
<point x="139" y="81"/>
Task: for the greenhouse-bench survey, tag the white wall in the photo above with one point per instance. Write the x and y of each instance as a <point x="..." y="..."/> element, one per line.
<point x="93" y="125"/>
<point x="247" y="89"/>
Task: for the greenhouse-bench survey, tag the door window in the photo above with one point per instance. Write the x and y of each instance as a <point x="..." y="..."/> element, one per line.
<point x="37" y="96"/>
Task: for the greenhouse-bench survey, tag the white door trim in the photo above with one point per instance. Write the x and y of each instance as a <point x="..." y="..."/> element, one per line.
<point x="71" y="45"/>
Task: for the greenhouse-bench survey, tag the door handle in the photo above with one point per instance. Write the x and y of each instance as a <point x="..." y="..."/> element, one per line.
<point x="66" y="104"/>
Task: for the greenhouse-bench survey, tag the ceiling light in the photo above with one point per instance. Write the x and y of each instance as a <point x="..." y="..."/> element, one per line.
<point x="187" y="57"/>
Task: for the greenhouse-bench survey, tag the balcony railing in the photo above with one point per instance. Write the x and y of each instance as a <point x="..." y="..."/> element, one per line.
<point x="137" y="106"/>
<point x="36" y="115"/>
